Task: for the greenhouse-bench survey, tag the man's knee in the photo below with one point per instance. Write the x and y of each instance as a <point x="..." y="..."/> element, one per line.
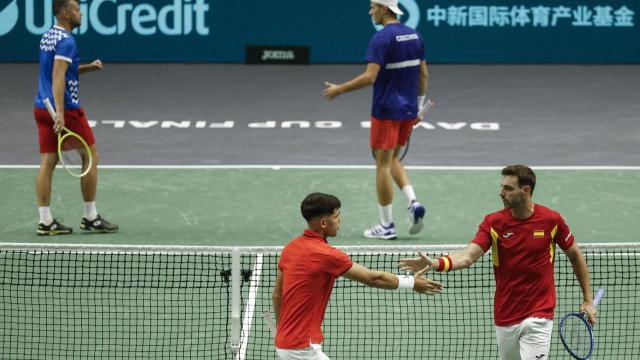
<point x="95" y="155"/>
<point x="384" y="157"/>
<point x="48" y="161"/>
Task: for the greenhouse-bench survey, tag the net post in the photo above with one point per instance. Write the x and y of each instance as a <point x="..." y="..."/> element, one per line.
<point x="234" y="336"/>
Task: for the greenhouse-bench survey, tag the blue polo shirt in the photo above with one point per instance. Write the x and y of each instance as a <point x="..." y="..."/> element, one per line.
<point x="58" y="44"/>
<point x="398" y="49"/>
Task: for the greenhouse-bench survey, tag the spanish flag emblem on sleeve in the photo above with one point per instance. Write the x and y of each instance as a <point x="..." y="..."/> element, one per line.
<point x="538" y="233"/>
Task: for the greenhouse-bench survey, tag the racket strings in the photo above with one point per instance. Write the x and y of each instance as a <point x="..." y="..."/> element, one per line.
<point x="72" y="153"/>
<point x="70" y="142"/>
<point x="576" y="334"/>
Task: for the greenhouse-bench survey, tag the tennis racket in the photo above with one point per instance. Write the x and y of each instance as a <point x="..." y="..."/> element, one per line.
<point x="268" y="318"/>
<point x="426" y="105"/>
<point x="577" y="334"/>
<point x="71" y="149"/>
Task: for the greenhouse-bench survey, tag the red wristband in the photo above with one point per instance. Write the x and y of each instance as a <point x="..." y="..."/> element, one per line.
<point x="445" y="264"/>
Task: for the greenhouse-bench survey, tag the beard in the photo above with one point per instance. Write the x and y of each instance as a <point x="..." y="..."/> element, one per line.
<point x="515" y="203"/>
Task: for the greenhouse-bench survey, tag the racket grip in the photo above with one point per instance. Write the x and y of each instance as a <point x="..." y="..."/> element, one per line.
<point x="424" y="107"/>
<point x="598" y="296"/>
<point x="270" y="322"/>
<point x="50" y="108"/>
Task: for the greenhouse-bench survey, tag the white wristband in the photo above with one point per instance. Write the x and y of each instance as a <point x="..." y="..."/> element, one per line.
<point x="405" y="282"/>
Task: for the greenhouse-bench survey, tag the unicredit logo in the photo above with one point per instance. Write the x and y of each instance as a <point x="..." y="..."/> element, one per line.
<point x="115" y="17"/>
<point x="411" y="13"/>
<point x="8" y="17"/>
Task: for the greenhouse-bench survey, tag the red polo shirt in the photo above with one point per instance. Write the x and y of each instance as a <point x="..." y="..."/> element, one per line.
<point x="310" y="266"/>
<point x="523" y="253"/>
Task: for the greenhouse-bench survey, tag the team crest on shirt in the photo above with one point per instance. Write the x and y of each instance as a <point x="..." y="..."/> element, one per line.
<point x="538" y="233"/>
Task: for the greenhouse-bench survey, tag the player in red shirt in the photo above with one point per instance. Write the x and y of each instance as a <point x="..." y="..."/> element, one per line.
<point x="523" y="238"/>
<point x="307" y="269"/>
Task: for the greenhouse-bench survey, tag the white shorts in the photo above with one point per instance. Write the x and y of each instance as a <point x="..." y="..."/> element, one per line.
<point x="313" y="352"/>
<point x="529" y="340"/>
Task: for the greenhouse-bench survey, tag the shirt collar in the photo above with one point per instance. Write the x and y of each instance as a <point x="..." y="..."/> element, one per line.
<point x="308" y="233"/>
<point x="533" y="214"/>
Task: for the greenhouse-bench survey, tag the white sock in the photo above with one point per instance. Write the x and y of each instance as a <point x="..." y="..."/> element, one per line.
<point x="45" y="215"/>
<point x="385" y="215"/>
<point x="409" y="193"/>
<point x="90" y="212"/>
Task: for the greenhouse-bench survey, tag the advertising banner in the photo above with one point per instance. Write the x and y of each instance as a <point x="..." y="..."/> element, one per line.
<point x="334" y="31"/>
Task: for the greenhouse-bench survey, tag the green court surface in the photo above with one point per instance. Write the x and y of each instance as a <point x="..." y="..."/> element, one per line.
<point x="62" y="305"/>
<point x="261" y="206"/>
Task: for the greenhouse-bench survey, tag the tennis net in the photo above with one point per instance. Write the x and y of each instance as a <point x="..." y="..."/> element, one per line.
<point x="133" y="302"/>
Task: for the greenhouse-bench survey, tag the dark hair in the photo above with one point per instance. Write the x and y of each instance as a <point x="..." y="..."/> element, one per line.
<point x="526" y="176"/>
<point x="318" y="204"/>
<point x="60" y="5"/>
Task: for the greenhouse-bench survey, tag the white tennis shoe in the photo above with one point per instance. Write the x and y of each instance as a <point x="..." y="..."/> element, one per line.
<point x="381" y="232"/>
<point x="416" y="217"/>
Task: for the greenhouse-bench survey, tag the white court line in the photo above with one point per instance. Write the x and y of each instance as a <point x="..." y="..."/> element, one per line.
<point x="331" y="167"/>
<point x="250" y="307"/>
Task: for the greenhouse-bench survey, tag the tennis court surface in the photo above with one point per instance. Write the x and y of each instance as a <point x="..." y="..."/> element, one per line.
<point x="195" y="188"/>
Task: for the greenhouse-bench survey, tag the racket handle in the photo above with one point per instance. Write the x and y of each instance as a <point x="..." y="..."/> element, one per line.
<point x="424" y="107"/>
<point x="270" y="322"/>
<point x="50" y="108"/>
<point x="426" y="104"/>
<point x="598" y="296"/>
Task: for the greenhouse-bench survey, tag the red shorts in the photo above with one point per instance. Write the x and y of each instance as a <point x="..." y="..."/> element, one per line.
<point x="389" y="134"/>
<point x="74" y="119"/>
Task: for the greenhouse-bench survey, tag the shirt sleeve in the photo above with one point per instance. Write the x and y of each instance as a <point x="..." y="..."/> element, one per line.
<point x="338" y="262"/>
<point x="377" y="49"/>
<point x="283" y="254"/>
<point x="564" y="238"/>
<point x="65" y="50"/>
<point x="483" y="236"/>
<point x="422" y="47"/>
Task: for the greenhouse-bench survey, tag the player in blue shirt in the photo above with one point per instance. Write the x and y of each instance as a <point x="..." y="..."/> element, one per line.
<point x="59" y="74"/>
<point x="398" y="72"/>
